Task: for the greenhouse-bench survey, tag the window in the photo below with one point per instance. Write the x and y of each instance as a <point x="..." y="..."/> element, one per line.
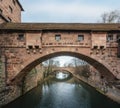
<point x="95" y="47"/>
<point x="101" y="47"/>
<point x="80" y="37"/>
<point x="30" y="47"/>
<point x="9" y="19"/>
<point x="14" y="2"/>
<point x="36" y="47"/>
<point x="1" y="11"/>
<point x="57" y="37"/>
<point x="11" y="10"/>
<point x="21" y="37"/>
<point x="109" y="37"/>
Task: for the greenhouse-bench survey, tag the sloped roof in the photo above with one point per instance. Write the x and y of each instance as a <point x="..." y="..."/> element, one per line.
<point x="60" y="26"/>
<point x="20" y="5"/>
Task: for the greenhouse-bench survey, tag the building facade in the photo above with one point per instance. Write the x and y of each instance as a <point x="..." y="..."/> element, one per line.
<point x="10" y="11"/>
<point x="98" y="41"/>
<point x="23" y="46"/>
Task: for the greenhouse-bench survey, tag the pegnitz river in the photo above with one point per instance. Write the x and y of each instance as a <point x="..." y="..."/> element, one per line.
<point x="55" y="93"/>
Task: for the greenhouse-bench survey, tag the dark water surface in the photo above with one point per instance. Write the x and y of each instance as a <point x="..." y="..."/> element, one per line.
<point x="56" y="94"/>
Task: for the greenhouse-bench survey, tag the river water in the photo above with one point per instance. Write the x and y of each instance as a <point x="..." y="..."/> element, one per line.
<point x="63" y="94"/>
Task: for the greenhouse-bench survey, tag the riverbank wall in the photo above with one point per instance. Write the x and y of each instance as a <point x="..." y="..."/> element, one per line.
<point x="8" y="93"/>
<point x="111" y="92"/>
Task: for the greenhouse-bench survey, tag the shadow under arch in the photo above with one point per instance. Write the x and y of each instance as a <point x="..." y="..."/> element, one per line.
<point x="96" y="64"/>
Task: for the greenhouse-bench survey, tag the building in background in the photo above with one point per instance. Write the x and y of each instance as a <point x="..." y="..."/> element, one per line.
<point x="10" y="11"/>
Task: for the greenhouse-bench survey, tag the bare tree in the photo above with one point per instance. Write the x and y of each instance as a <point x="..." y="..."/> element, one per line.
<point x="49" y="65"/>
<point x="104" y="17"/>
<point x="111" y="17"/>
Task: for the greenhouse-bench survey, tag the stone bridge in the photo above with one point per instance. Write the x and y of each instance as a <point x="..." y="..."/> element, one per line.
<point x="23" y="46"/>
<point x="64" y="69"/>
<point x="26" y="45"/>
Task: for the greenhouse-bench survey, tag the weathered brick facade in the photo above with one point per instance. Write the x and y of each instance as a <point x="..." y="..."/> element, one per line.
<point x="26" y="45"/>
<point x="10" y="11"/>
<point x="23" y="46"/>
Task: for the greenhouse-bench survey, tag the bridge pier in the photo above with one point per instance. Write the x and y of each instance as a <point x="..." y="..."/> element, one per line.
<point x="7" y="92"/>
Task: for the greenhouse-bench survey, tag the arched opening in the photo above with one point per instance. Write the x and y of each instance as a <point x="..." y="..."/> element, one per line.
<point x="62" y="75"/>
<point x="105" y="71"/>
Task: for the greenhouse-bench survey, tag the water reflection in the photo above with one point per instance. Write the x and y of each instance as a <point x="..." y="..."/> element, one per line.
<point x="69" y="94"/>
<point x="63" y="95"/>
<point x="61" y="75"/>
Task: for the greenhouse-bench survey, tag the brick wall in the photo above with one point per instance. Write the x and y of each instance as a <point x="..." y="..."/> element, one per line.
<point x="48" y="38"/>
<point x="98" y="40"/>
<point x="14" y="44"/>
<point x="13" y="41"/>
<point x="10" y="10"/>
<point x="1" y="20"/>
<point x="33" y="39"/>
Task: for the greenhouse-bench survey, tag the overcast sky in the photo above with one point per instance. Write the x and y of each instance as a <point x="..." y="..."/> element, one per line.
<point x="66" y="10"/>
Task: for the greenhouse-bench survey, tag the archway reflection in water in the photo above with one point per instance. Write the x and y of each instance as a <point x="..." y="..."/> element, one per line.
<point x="69" y="94"/>
<point x="61" y="75"/>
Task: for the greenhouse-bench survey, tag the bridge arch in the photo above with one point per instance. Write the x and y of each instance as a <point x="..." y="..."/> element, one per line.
<point x="28" y="65"/>
<point x="62" y="73"/>
<point x="63" y="70"/>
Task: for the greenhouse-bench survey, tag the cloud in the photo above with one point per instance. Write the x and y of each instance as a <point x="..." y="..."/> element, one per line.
<point x="63" y="10"/>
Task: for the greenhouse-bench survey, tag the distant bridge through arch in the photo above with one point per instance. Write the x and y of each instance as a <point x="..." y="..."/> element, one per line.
<point x="64" y="69"/>
<point x="69" y="70"/>
<point x="27" y="45"/>
<point x="106" y="71"/>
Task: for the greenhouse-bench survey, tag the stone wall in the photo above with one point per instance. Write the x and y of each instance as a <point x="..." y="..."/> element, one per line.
<point x="11" y="10"/>
<point x="66" y="39"/>
<point x="2" y="74"/>
<point x="15" y="39"/>
<point x="33" y="78"/>
<point x="13" y="55"/>
<point x="1" y="20"/>
<point x="9" y="93"/>
<point x="14" y="46"/>
<point x="98" y="40"/>
<point x="103" y="87"/>
<point x="19" y="46"/>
